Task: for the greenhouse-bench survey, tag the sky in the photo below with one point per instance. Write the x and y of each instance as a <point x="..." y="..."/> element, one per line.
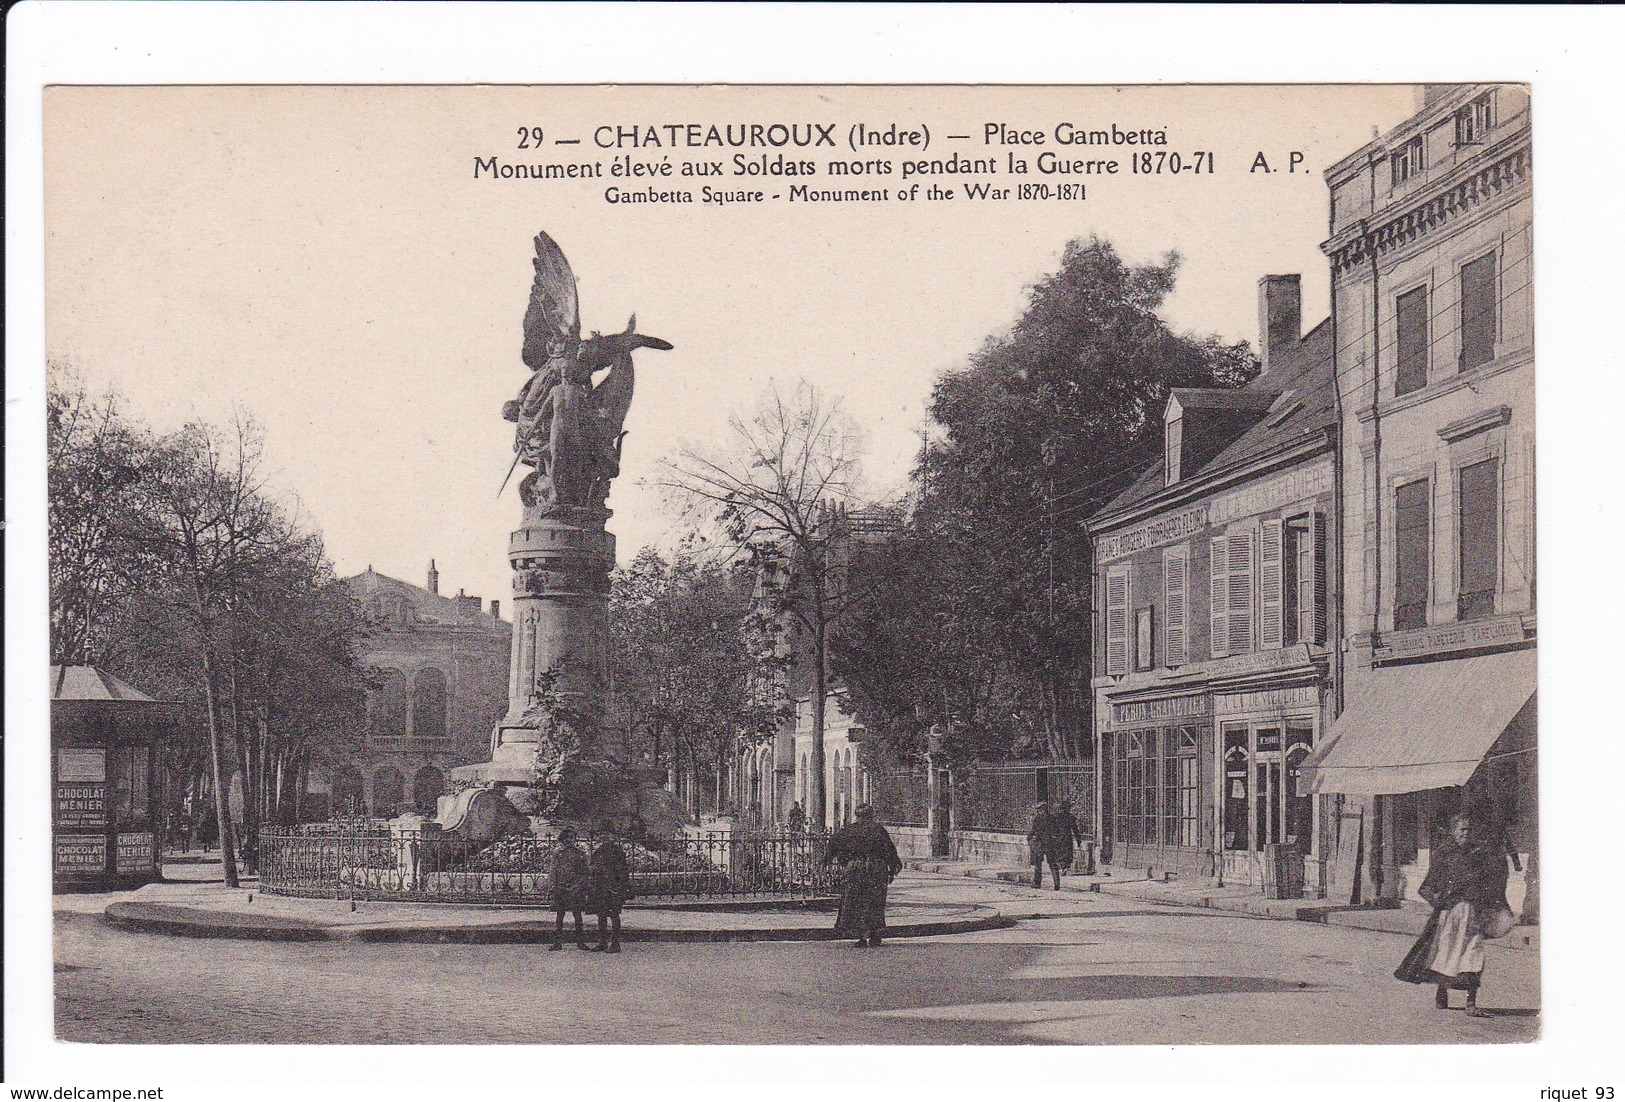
<point x="327" y="260"/>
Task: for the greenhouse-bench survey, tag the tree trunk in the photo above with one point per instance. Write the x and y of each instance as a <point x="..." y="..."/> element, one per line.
<point x="815" y="789"/>
<point x="222" y="812"/>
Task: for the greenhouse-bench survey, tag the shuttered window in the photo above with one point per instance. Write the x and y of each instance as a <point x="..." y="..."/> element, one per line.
<point x="1480" y="539"/>
<point x="1411" y="503"/>
<point x="1230" y="594"/>
<point x="1270" y="597"/>
<point x="1117" y="606"/>
<point x="1478" y="312"/>
<point x="1411" y="339"/>
<point x="1241" y="592"/>
<point x="1175" y="571"/>
<point x="1303" y="582"/>
<point x="1218" y="604"/>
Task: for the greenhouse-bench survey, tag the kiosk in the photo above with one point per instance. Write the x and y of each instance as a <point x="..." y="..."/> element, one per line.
<point x="107" y="818"/>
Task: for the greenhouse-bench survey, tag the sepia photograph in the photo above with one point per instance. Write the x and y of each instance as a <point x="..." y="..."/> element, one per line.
<point x="844" y="564"/>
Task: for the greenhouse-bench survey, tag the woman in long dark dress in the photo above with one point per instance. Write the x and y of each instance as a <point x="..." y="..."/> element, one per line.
<point x="868" y="862"/>
<point x="1466" y="884"/>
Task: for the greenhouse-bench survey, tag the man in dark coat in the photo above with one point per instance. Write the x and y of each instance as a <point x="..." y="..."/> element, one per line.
<point x="868" y="862"/>
<point x="569" y="887"/>
<point x="1064" y="832"/>
<point x="609" y="881"/>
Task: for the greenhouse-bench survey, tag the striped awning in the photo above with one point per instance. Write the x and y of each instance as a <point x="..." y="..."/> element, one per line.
<point x="1421" y="726"/>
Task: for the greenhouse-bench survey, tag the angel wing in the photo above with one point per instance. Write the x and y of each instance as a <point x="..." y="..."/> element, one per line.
<point x="553" y="320"/>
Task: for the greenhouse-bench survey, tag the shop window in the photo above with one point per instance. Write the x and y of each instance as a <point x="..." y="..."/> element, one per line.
<point x="1236" y="830"/>
<point x="1411" y="558"/>
<point x="1175" y="572"/>
<point x="1411" y="339"/>
<point x="1188" y="805"/>
<point x="1480" y="536"/>
<point x="1298" y="811"/>
<point x="1479" y="312"/>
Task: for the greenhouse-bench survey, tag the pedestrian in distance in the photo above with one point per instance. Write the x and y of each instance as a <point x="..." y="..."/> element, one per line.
<point x="570" y="878"/>
<point x="1042" y="846"/>
<point x="1065" y="833"/>
<point x="1466" y="885"/>
<point x="869" y="863"/>
<point x="796" y="820"/>
<point x="609" y="882"/>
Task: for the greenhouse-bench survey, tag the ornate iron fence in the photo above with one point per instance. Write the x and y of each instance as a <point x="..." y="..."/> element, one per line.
<point x="419" y="866"/>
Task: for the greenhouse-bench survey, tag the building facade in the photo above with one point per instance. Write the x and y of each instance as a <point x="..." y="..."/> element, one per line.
<point x="1214" y="621"/>
<point x="1432" y="299"/>
<point x="442" y="664"/>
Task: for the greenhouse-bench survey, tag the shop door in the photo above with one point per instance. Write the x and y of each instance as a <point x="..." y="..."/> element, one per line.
<point x="1267" y="787"/>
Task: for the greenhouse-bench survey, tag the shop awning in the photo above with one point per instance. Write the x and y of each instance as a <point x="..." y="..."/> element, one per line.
<point x="1421" y="726"/>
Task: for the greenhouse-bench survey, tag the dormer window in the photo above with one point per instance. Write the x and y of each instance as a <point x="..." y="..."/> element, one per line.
<point x="1406" y="161"/>
<point x="1474" y="120"/>
<point x="1173" y="432"/>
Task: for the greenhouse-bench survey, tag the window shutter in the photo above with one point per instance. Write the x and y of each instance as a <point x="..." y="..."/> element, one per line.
<point x="1117" y="621"/>
<point x="1219" y="598"/>
<point x="1314" y="626"/>
<point x="1269" y="587"/>
<point x="1478" y="312"/>
<point x="1241" y="593"/>
<point x="1174" y="572"/>
<point x="1411" y="338"/>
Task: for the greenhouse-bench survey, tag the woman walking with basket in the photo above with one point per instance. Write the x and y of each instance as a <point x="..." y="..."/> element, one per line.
<point x="1466" y="884"/>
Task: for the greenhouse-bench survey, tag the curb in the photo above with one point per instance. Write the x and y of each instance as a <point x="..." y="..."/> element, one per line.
<point x="160" y="918"/>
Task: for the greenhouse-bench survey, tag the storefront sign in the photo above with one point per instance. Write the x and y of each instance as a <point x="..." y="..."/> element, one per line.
<point x="86" y="853"/>
<point x="1453" y="637"/>
<point x="1289" y="488"/>
<point x="1150" y="711"/>
<point x="1169" y="529"/>
<point x="78" y="764"/>
<point x="81" y="806"/>
<point x="1258" y="662"/>
<point x="135" y="853"/>
<point x="1265" y="700"/>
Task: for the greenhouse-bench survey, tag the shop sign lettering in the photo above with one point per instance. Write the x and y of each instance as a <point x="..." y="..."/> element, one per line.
<point x="1262" y="700"/>
<point x="86" y="854"/>
<point x="1290" y="488"/>
<point x="1169" y="529"/>
<point x="81" y="806"/>
<point x="1146" y="711"/>
<point x="1484" y="633"/>
<point x="81" y="765"/>
<point x="135" y="853"/>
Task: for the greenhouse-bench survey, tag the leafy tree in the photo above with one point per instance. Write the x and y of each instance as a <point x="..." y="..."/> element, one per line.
<point x="682" y="669"/>
<point x="1046" y="424"/>
<point x="775" y="486"/>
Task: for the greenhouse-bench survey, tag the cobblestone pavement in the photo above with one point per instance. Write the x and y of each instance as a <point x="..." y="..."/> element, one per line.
<point x="1078" y="969"/>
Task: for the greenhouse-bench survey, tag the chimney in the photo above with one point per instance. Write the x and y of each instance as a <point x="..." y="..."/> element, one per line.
<point x="1280" y="316"/>
<point x="496" y="610"/>
<point x="434" y="579"/>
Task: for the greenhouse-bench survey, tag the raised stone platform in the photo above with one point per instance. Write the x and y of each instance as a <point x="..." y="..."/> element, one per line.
<point x="213" y="910"/>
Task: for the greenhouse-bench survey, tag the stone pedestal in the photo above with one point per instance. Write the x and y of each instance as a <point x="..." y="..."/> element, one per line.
<point x="561" y="560"/>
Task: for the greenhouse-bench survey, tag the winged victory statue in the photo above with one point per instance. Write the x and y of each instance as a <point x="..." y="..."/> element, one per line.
<point x="569" y="428"/>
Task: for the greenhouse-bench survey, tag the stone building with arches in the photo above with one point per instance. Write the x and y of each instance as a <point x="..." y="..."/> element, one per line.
<point x="442" y="668"/>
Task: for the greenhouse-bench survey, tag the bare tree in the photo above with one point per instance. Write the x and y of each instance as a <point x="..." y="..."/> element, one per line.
<point x="213" y="527"/>
<point x="782" y="478"/>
